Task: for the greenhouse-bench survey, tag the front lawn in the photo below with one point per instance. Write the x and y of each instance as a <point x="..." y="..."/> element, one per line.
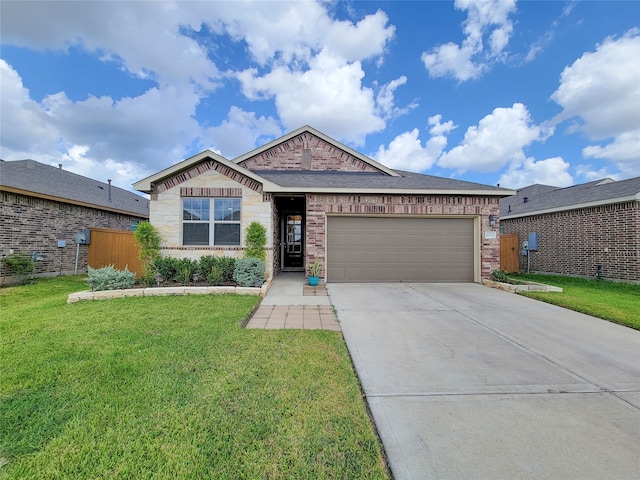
<point x="172" y="387"/>
<point x="613" y="301"/>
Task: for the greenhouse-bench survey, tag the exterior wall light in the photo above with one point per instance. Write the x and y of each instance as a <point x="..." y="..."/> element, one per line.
<point x="492" y="220"/>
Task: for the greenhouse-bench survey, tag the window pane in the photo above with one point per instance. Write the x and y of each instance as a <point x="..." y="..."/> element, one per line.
<point x="226" y="234"/>
<point x="227" y="209"/>
<point x="195" y="234"/>
<point x="195" y="209"/>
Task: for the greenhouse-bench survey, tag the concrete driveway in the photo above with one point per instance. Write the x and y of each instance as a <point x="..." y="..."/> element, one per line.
<point x="465" y="381"/>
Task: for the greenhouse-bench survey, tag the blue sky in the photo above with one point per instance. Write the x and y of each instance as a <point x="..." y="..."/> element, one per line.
<point x="493" y="91"/>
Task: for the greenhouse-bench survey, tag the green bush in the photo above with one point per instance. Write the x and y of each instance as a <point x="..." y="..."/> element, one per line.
<point x="110" y="278"/>
<point x="255" y="240"/>
<point x="148" y="240"/>
<point x="185" y="269"/>
<point x="228" y="265"/>
<point x="19" y="264"/>
<point x="215" y="276"/>
<point x="167" y="267"/>
<point x="249" y="272"/>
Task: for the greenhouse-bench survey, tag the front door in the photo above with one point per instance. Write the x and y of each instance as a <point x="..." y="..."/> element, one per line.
<point x="292" y="241"/>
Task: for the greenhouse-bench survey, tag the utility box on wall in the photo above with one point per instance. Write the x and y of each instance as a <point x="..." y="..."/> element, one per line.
<point x="84" y="237"/>
<point x="533" y="241"/>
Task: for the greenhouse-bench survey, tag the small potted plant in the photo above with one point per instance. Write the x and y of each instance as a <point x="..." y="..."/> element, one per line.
<point x="314" y="270"/>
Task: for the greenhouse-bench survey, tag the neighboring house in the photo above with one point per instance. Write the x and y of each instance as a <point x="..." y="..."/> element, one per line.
<point x="587" y="230"/>
<point x="42" y="206"/>
<point x="319" y="199"/>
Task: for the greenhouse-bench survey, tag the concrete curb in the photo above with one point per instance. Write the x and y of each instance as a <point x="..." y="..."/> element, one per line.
<point x="527" y="287"/>
<point x="164" y="291"/>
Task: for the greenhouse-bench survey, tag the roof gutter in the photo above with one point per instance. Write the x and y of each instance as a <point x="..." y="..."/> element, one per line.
<point x="28" y="193"/>
<point x="629" y="198"/>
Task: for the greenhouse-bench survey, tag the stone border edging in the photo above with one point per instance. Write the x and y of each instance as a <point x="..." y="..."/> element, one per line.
<point x="528" y="286"/>
<point x="165" y="291"/>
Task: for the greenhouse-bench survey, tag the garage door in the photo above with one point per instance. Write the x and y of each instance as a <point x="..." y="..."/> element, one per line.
<point x="370" y="249"/>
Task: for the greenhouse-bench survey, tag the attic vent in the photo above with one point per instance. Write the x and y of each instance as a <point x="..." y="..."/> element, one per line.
<point x="509" y="209"/>
<point x="306" y="159"/>
<point x="525" y="199"/>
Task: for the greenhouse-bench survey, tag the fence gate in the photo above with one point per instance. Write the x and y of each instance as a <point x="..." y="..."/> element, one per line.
<point x="113" y="247"/>
<point x="509" y="260"/>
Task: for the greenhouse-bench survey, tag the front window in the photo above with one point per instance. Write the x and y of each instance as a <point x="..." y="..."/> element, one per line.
<point x="199" y="228"/>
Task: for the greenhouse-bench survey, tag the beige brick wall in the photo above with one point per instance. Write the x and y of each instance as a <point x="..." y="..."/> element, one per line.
<point x="166" y="216"/>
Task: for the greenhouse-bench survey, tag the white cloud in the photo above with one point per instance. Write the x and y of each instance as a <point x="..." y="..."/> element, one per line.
<point x="406" y="151"/>
<point x="25" y="127"/>
<point x="498" y="139"/>
<point x="589" y="173"/>
<point x="147" y="41"/>
<point x="329" y="95"/>
<point x="472" y="59"/>
<point x="137" y="135"/>
<point x="552" y="171"/>
<point x="310" y="68"/>
<point x="241" y="131"/>
<point x="602" y="90"/>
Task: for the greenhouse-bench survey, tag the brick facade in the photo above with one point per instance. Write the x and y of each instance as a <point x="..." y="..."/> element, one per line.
<point x="319" y="205"/>
<point x="576" y="242"/>
<point x="210" y="179"/>
<point x="31" y="224"/>
<point x="294" y="154"/>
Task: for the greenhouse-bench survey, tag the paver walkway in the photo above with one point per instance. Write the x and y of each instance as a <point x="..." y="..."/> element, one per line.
<point x="291" y="303"/>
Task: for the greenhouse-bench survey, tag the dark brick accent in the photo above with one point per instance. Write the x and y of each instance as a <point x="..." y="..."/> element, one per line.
<point x="210" y="192"/>
<point x="575" y="242"/>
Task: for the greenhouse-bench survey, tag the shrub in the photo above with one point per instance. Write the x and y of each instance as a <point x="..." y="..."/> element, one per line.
<point x="215" y="275"/>
<point x="110" y="278"/>
<point x="249" y="272"/>
<point x="228" y="265"/>
<point x="255" y="240"/>
<point x="184" y="269"/>
<point x="500" y="276"/>
<point x="19" y="265"/>
<point x="148" y="240"/>
<point x="167" y="267"/>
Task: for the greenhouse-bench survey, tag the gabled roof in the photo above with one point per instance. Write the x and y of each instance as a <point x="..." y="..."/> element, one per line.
<point x="147" y="184"/>
<point x="384" y="181"/>
<point x="546" y="199"/>
<point x="35" y="179"/>
<point x="329" y="140"/>
<point x="372" y="182"/>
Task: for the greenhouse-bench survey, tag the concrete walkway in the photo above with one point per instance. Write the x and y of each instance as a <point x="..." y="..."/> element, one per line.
<point x="465" y="381"/>
<point x="292" y="303"/>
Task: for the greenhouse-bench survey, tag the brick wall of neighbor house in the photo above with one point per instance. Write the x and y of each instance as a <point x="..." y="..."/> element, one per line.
<point x="32" y="224"/>
<point x="306" y="152"/>
<point x="319" y="205"/>
<point x="575" y="242"/>
<point x="166" y="210"/>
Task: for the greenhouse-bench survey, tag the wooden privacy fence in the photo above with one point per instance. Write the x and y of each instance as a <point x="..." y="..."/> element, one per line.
<point x="509" y="260"/>
<point x="113" y="247"/>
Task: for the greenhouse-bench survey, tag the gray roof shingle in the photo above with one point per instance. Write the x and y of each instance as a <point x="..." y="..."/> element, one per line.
<point x="542" y="198"/>
<point x="36" y="177"/>
<point x="371" y="180"/>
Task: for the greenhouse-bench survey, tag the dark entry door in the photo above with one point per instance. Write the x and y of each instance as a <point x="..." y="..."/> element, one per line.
<point x="293" y="241"/>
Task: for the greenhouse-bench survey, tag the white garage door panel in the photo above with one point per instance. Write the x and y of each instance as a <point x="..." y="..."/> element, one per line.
<point x="383" y="249"/>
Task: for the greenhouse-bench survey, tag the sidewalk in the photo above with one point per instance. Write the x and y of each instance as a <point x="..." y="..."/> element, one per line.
<point x="291" y="303"/>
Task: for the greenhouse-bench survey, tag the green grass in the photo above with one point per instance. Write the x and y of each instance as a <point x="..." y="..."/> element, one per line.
<point x="613" y="301"/>
<point x="172" y="387"/>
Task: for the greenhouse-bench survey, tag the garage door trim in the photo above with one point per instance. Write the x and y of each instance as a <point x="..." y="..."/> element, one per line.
<point x="476" y="235"/>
